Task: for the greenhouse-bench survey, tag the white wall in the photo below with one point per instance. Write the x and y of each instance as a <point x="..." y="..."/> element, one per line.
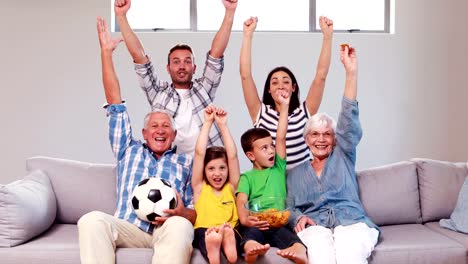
<point x="412" y="84"/>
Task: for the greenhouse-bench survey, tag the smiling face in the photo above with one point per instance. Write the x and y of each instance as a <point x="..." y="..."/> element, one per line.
<point x="159" y="133"/>
<point x="263" y="153"/>
<point x="321" y="141"/>
<point x="181" y="68"/>
<point x="216" y="173"/>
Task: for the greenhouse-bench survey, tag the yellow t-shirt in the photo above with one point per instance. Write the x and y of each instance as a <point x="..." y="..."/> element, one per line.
<point x="213" y="209"/>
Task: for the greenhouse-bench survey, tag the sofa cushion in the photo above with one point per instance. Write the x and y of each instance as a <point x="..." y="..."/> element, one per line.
<point x="79" y="187"/>
<point x="416" y="244"/>
<point x="390" y="194"/>
<point x="27" y="208"/>
<point x="439" y="185"/>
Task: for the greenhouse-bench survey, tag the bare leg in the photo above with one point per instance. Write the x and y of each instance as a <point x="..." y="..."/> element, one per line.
<point x="253" y="249"/>
<point x="229" y="243"/>
<point x="297" y="253"/>
<point x="213" y="244"/>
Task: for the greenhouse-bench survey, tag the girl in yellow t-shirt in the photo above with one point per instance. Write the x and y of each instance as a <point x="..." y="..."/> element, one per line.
<point x="215" y="175"/>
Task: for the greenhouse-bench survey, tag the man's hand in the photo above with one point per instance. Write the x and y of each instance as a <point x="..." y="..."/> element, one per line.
<point x="230" y="4"/>
<point x="105" y="41"/>
<point x="250" y="25"/>
<point x="326" y="25"/>
<point x="121" y="7"/>
<point x="303" y="223"/>
<point x="179" y="211"/>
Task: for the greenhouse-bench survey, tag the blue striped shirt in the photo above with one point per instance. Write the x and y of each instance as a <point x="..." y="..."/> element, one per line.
<point x="135" y="162"/>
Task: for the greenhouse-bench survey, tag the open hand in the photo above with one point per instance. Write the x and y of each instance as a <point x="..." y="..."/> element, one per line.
<point x="105" y="41"/>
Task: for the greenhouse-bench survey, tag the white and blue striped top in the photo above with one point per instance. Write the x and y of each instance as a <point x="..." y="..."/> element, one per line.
<point x="296" y="148"/>
<point x="135" y="162"/>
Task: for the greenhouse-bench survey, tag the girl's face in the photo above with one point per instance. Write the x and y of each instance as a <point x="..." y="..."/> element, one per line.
<point x="216" y="172"/>
<point x="280" y="80"/>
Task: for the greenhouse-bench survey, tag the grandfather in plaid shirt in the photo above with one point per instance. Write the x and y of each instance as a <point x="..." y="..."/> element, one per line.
<point x="170" y="237"/>
<point x="184" y="99"/>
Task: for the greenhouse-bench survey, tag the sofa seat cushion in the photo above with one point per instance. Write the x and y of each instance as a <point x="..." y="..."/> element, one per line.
<point x="269" y="257"/>
<point x="415" y="243"/>
<point x="459" y="237"/>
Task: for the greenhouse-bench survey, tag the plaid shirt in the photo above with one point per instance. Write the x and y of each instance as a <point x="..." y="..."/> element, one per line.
<point x="162" y="95"/>
<point x="135" y="162"/>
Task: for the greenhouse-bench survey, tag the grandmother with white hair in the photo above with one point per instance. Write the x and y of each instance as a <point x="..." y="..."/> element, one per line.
<point x="327" y="214"/>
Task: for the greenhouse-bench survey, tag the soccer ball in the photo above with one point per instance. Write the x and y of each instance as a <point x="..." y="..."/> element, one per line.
<point x="151" y="196"/>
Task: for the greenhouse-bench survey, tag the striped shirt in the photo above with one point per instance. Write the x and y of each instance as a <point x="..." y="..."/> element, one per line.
<point x="135" y="162"/>
<point x="162" y="95"/>
<point x="296" y="148"/>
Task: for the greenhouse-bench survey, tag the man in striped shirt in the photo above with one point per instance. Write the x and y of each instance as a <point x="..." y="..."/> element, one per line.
<point x="170" y="237"/>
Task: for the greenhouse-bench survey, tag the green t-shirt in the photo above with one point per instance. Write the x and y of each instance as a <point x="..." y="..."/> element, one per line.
<point x="270" y="182"/>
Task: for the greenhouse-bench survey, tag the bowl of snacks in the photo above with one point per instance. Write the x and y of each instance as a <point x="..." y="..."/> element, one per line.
<point x="274" y="210"/>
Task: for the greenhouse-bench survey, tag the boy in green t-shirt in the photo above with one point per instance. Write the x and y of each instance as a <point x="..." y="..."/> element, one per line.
<point x="268" y="179"/>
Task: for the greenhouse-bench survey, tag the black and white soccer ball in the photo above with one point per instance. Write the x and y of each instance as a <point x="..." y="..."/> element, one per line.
<point x="151" y="196"/>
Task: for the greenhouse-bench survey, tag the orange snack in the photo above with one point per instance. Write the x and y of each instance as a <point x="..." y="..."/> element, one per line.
<point x="343" y="46"/>
<point x="275" y="218"/>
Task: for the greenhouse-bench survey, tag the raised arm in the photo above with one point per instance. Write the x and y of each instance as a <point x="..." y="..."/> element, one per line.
<point x="349" y="60"/>
<point x="282" y="129"/>
<point x="134" y="46"/>
<point x="200" y="151"/>
<point x="248" y="85"/>
<point x="221" y="39"/>
<point x="315" y="94"/>
<point x="109" y="77"/>
<point x="231" y="150"/>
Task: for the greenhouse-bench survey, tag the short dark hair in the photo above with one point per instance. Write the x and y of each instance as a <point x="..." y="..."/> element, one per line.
<point x="212" y="153"/>
<point x="179" y="47"/>
<point x="249" y="136"/>
<point x="268" y="99"/>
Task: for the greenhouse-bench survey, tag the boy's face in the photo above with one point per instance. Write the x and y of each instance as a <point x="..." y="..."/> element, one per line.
<point x="263" y="153"/>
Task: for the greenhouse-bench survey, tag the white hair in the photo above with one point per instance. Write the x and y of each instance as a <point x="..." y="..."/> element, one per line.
<point x="146" y="120"/>
<point x="319" y="120"/>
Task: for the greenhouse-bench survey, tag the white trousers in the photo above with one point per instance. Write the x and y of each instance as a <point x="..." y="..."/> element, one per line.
<point x="350" y="244"/>
<point x="100" y="234"/>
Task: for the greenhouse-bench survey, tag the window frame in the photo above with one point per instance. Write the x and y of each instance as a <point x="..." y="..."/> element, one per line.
<point x="312" y="21"/>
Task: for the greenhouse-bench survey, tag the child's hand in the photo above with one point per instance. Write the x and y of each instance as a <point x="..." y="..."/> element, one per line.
<point x="250" y="25"/>
<point x="283" y="98"/>
<point x="253" y="221"/>
<point x="210" y="112"/>
<point x="220" y="116"/>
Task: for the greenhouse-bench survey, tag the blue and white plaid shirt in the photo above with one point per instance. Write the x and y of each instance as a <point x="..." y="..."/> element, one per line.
<point x="162" y="95"/>
<point x="135" y="162"/>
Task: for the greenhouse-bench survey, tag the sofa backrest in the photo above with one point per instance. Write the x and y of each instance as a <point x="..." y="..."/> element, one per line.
<point x="79" y="187"/>
<point x="390" y="194"/>
<point x="439" y="185"/>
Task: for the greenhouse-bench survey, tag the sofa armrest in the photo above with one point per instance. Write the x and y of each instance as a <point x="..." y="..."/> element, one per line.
<point x="27" y="208"/>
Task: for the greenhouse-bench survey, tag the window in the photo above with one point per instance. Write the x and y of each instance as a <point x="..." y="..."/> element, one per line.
<point x="274" y="15"/>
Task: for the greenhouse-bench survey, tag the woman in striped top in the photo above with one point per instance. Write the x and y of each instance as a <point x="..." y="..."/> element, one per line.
<point x="265" y="114"/>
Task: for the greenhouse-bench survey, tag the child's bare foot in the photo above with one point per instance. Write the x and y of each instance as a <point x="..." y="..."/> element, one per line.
<point x="229" y="243"/>
<point x="253" y="249"/>
<point x="297" y="253"/>
<point x="213" y="243"/>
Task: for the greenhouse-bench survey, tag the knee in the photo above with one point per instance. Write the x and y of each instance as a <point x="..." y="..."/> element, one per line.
<point x="179" y="227"/>
<point x="91" y="220"/>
